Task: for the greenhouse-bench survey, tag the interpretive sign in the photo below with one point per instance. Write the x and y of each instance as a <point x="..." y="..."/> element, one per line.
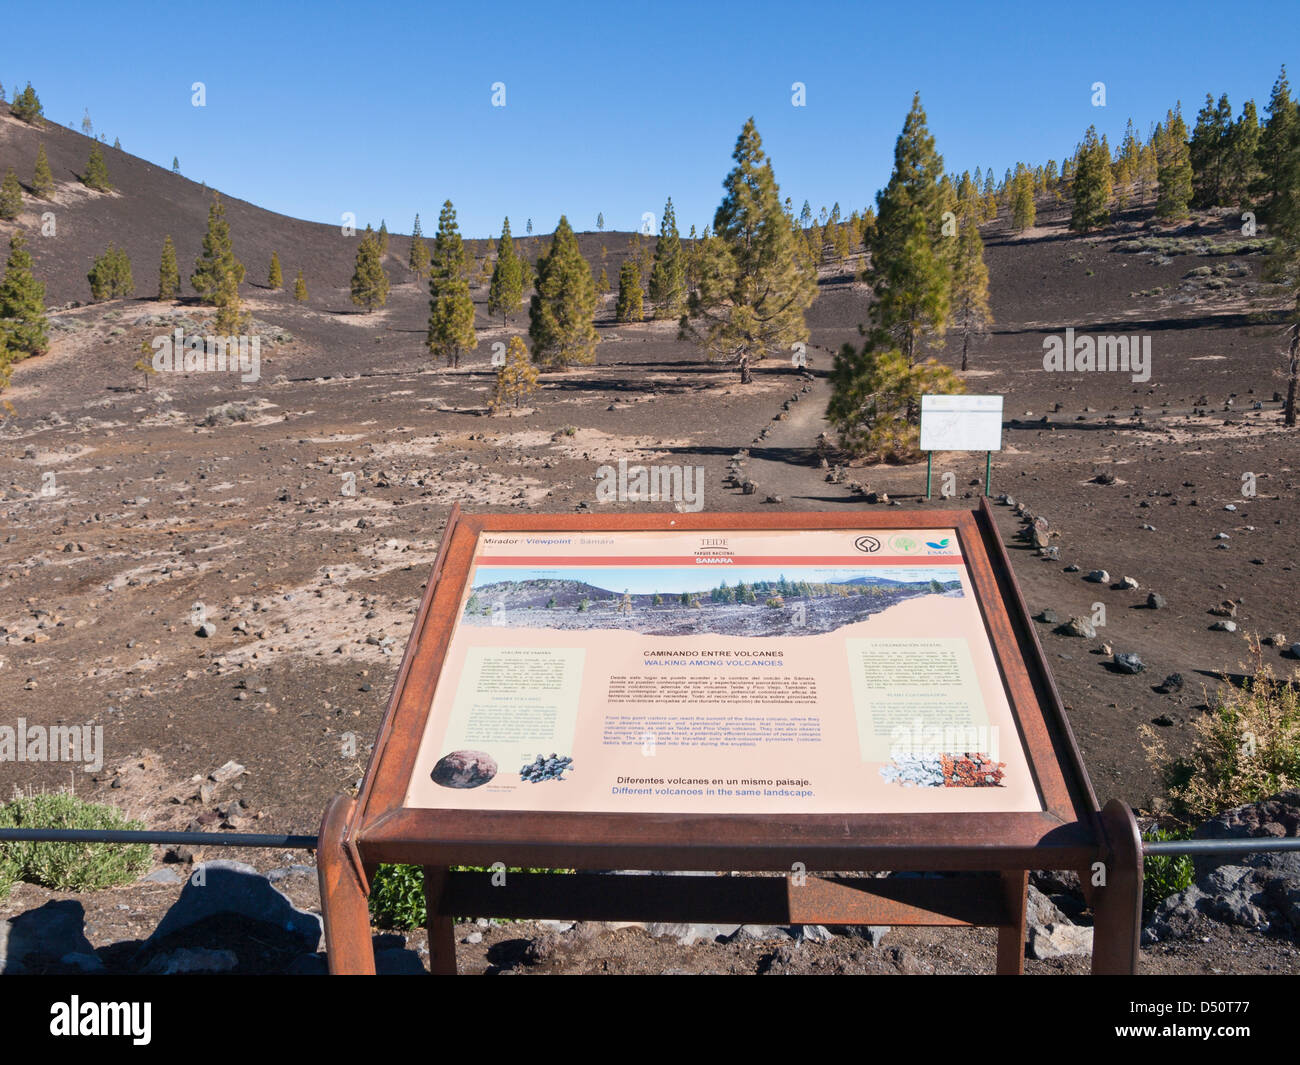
<point x="961" y="423"/>
<point x="823" y="671"/>
<point x="780" y="693"/>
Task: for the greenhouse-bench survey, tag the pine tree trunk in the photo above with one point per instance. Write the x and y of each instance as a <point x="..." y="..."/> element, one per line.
<point x="965" y="345"/>
<point x="745" y="376"/>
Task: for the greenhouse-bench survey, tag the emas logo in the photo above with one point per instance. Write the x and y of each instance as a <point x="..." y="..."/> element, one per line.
<point x="939" y="545"/>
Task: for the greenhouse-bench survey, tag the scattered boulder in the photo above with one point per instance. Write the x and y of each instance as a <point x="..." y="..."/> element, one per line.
<point x="1155" y="601"/>
<point x="1059" y="940"/>
<point x="1224" y="626"/>
<point x="1171" y="683"/>
<point x="1077" y="626"/>
<point x="1048" y="617"/>
<point x="1127" y="662"/>
<point x="1128" y="584"/>
<point x="1098" y="576"/>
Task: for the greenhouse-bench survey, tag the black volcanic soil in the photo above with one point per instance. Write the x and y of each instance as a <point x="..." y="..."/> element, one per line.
<point x="303" y="520"/>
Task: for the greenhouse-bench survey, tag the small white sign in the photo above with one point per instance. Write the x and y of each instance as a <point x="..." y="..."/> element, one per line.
<point x="961" y="423"/>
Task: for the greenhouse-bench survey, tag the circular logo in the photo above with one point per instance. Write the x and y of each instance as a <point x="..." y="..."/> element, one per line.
<point x="905" y="545"/>
<point x="867" y="543"/>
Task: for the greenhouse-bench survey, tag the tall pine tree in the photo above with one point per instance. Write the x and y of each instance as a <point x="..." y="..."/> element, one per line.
<point x="753" y="286"/>
<point x="506" y="289"/>
<point x="11" y="196"/>
<point x="628" y="307"/>
<point x="560" y="314"/>
<point x="1173" y="167"/>
<point x="24" y="329"/>
<point x="169" y="274"/>
<point x="96" y="175"/>
<point x="274" y="279"/>
<point x="668" y="274"/>
<point x="451" y="309"/>
<point x="1275" y="141"/>
<point x="1091" y="187"/>
<point x="217" y="260"/>
<point x="970" y="285"/>
<point x="419" y="259"/>
<point x="42" y="178"/>
<point x="369" y="281"/>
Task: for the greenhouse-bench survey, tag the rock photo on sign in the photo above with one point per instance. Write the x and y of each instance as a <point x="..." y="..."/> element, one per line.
<point x="464" y="769"/>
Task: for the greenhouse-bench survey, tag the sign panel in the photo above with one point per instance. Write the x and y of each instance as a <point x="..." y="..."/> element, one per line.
<point x="961" y="423"/>
<point x="721" y="671"/>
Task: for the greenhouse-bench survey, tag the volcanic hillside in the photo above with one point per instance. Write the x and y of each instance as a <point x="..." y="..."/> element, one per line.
<point x="292" y="519"/>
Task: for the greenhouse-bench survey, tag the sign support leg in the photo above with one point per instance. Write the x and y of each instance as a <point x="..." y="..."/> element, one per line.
<point x="348" y="946"/>
<point x="988" y="470"/>
<point x="929" y="461"/>
<point x="442" y="934"/>
<point x="1011" y="936"/>
<point x="1117" y="905"/>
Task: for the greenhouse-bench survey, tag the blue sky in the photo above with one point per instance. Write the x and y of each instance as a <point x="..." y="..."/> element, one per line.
<point x="385" y="110"/>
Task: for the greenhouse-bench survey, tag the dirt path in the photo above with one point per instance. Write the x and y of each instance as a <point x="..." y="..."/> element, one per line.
<point x="785" y="463"/>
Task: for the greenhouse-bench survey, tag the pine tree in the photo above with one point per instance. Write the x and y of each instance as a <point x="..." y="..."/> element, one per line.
<point x="274" y="279"/>
<point x="169" y="275"/>
<point x="1241" y="170"/>
<point x="1022" y="199"/>
<point x="560" y="313"/>
<point x="87" y="127"/>
<point x="24" y="329"/>
<point x="908" y="273"/>
<point x="1208" y="151"/>
<point x="217" y="258"/>
<point x="1091" y="187"/>
<point x="300" y="288"/>
<point x="628" y="308"/>
<point x="117" y="143"/>
<point x="506" y="289"/>
<point x="516" y="378"/>
<point x="110" y="275"/>
<point x="602" y="283"/>
<point x="600" y="221"/>
<point x="419" y="260"/>
<point x="1174" y="167"/>
<point x="1276" y="139"/>
<point x="970" y="286"/>
<point x="383" y="238"/>
<point x="96" y="175"/>
<point x="875" y="397"/>
<point x="451" y="310"/>
<point x="230" y="319"/>
<point x="176" y="164"/>
<point x="11" y="196"/>
<point x="529" y="228"/>
<point x="42" y="177"/>
<point x="27" y="107"/>
<point x="369" y="282"/>
<point x="753" y="288"/>
<point x="668" y="274"/>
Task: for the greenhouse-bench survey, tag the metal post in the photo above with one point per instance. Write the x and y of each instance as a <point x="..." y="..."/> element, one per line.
<point x="988" y="470"/>
<point x="929" y="461"/>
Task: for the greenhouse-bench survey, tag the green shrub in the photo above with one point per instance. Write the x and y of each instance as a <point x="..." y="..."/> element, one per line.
<point x="1165" y="875"/>
<point x="397" y="893"/>
<point x="1245" y="748"/>
<point x="397" y="897"/>
<point x="70" y="866"/>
